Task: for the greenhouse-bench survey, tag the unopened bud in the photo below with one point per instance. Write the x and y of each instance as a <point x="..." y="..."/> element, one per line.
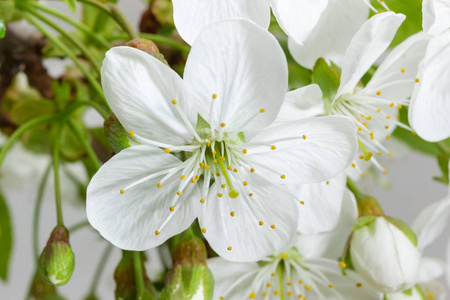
<point x="369" y="206"/>
<point x="148" y="47"/>
<point x="189" y="278"/>
<point x="57" y="261"/>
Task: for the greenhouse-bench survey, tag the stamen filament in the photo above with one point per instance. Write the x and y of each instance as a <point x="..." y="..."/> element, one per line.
<point x="232" y="193"/>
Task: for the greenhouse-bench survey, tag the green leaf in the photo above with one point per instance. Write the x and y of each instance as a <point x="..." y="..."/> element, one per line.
<point x="6" y="239"/>
<point x="2" y="29"/>
<point x="404" y="228"/>
<point x="327" y="78"/>
<point x="72" y="4"/>
<point x="363" y="221"/>
<point x="443" y="161"/>
<point x="25" y="110"/>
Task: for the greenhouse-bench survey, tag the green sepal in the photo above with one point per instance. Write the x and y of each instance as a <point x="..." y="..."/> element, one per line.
<point x="404" y="228"/>
<point x="443" y="161"/>
<point x="6" y="238"/>
<point x="327" y="79"/>
<point x="408" y="292"/>
<point x="117" y="136"/>
<point x="2" y="29"/>
<point x="363" y="221"/>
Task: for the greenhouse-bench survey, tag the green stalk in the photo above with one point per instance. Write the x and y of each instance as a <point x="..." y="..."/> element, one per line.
<point x="122" y="20"/>
<point x="155" y="38"/>
<point x="99" y="270"/>
<point x="28" y="125"/>
<point x="354" y="189"/>
<point x="78" y="226"/>
<point x="138" y="274"/>
<point x="86" y="145"/>
<point x="76" y="104"/>
<point x="85" y="29"/>
<point x="98" y="5"/>
<point x="56" y="157"/>
<point x="86" y="53"/>
<point x="93" y="82"/>
<point x="37" y="212"/>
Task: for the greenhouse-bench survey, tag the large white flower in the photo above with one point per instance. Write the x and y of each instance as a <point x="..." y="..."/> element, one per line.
<point x="373" y="108"/>
<point x="297" y="272"/>
<point x="236" y="79"/>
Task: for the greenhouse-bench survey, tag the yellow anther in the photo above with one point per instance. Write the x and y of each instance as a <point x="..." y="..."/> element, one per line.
<point x="353" y="165"/>
<point x="361" y="156"/>
<point x="201" y="165"/>
<point x="378" y="110"/>
<point x="235" y="170"/>
<point x="244" y="151"/>
<point x="157" y="232"/>
<point x="122" y="191"/>
<point x="178" y="193"/>
<point x="300" y="281"/>
<point x="430" y="296"/>
<point x="215" y="160"/>
<point x="369" y="118"/>
<point x="252" y="170"/>
<point x="262" y="110"/>
<point x="222" y="298"/>
<point x="272" y="226"/>
<point x="362" y="174"/>
<point x="388" y="117"/>
<point x="203" y="230"/>
<point x="388" y="137"/>
<point x="208" y="143"/>
<point x="365" y="125"/>
<point x="223" y="186"/>
<point x="273" y="274"/>
<point x="289" y="294"/>
<point x="417" y="80"/>
<point x="386" y="127"/>
<point x="251" y="194"/>
<point x="331" y="286"/>
<point x="167" y="150"/>
<point x="202" y="200"/>
<point x="182" y="177"/>
<point x="304" y="137"/>
<point x="264" y="294"/>
<point x="217" y="174"/>
<point x="283" y="176"/>
<point x="359" y="284"/>
<point x="390" y="153"/>
<point x="197" y="177"/>
<point x="275" y="293"/>
<point x="284" y="255"/>
<point x="402" y="70"/>
<point x="343" y="265"/>
<point x="214" y="153"/>
<point x="288" y="283"/>
<point x="261" y="223"/>
<point x="214" y="96"/>
<point x="269" y="285"/>
<point x="252" y="295"/>
<point x="159" y="185"/>
<point x="359" y="128"/>
<point x="229" y="248"/>
<point x="308" y="287"/>
<point x="245" y="183"/>
<point x="273" y="147"/>
<point x="172" y="208"/>
<point x="131" y="132"/>
<point x="220" y="195"/>
<point x="399" y="106"/>
<point x="379" y="153"/>
<point x="232" y="213"/>
<point x="206" y="167"/>
<point x="391" y="105"/>
<point x="222" y="158"/>
<point x="414" y="133"/>
<point x="229" y="168"/>
<point x="174" y="101"/>
<point x="357" y="119"/>
<point x="328" y="182"/>
<point x="302" y="202"/>
<point x="193" y="180"/>
<point x="223" y="124"/>
<point x="378" y="93"/>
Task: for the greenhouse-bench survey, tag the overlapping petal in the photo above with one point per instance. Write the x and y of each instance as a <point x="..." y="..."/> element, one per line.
<point x="140" y="89"/>
<point x="436" y="16"/>
<point x="125" y="204"/>
<point x="255" y="224"/>
<point x="302" y="103"/>
<point x="192" y="16"/>
<point x="309" y="150"/>
<point x="240" y="74"/>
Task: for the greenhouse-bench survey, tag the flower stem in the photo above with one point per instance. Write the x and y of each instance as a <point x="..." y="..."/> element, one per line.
<point x="86" y="145"/>
<point x="354" y="189"/>
<point x="99" y="270"/>
<point x="138" y="274"/>
<point x="28" y="125"/>
<point x="37" y="212"/>
<point x="78" y="226"/>
<point x="122" y="20"/>
<point x="155" y="38"/>
<point x="56" y="157"/>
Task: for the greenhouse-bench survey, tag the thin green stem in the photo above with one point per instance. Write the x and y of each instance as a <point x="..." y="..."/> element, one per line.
<point x="82" y="27"/>
<point x="76" y="104"/>
<point x="86" y="145"/>
<point x="155" y="38"/>
<point x="78" y="226"/>
<point x="99" y="270"/>
<point x="138" y="274"/>
<point x="122" y="20"/>
<point x="98" y="5"/>
<point x="93" y="82"/>
<point x="37" y="212"/>
<point x="19" y="131"/>
<point x="56" y="157"/>
<point x="444" y="147"/>
<point x="70" y="37"/>
<point x="354" y="189"/>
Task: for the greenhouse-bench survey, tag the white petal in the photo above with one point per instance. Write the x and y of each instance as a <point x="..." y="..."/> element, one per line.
<point x="436" y="16"/>
<point x="298" y="18"/>
<point x="448" y="263"/>
<point x="372" y="39"/>
<point x="430" y="103"/>
<point x="309" y="150"/>
<point x="192" y="16"/>
<point x="395" y="77"/>
<point x="302" y="103"/>
<point x="331" y="244"/>
<point x="236" y="223"/>
<point x="245" y="67"/>
<point x="322" y="204"/>
<point x="140" y="89"/>
<point x="130" y="220"/>
<point x="430" y="269"/>
<point x="333" y="33"/>
<point x="434" y="288"/>
<point x="431" y="222"/>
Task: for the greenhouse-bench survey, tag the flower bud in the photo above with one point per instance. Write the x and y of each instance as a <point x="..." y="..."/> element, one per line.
<point x="189" y="277"/>
<point x="148" y="47"/>
<point x="57" y="261"/>
<point x="368" y="206"/>
<point x="383" y="250"/>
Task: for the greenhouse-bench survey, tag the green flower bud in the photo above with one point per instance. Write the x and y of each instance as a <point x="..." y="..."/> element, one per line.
<point x="148" y="47"/>
<point x="189" y="277"/>
<point x="57" y="261"/>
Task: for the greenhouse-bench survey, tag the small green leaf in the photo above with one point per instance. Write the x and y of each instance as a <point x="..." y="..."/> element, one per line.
<point x="72" y="4"/>
<point x="404" y="228"/>
<point x="327" y="78"/>
<point x="363" y="221"/>
<point x="2" y="29"/>
<point x="6" y="239"/>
